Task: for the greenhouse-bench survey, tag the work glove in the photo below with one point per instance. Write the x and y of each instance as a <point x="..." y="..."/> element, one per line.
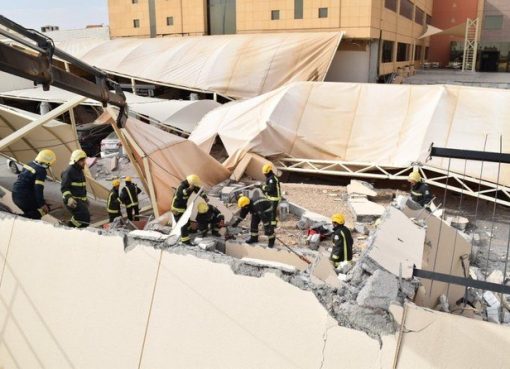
<point x="72" y="203"/>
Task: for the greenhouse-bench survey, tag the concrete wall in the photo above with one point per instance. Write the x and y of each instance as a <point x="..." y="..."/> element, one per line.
<point x="350" y="66"/>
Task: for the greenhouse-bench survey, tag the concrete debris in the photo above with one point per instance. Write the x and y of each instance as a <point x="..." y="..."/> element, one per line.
<point x="148" y="235"/>
<point x="361" y="228"/>
<point x="379" y="291"/>
<point x="114" y="161"/>
<point x="270" y="264"/>
<point x="495" y="277"/>
<point x="365" y="319"/>
<point x="207" y="244"/>
<point x="443" y="304"/>
<point x="458" y="222"/>
<point x="361" y="188"/>
<point x="493" y="314"/>
<point x="491" y="299"/>
<point x="365" y="210"/>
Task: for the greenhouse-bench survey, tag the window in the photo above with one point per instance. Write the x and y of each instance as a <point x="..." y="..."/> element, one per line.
<point x="134" y="1"/>
<point x="406" y="9"/>
<point x="493" y="22"/>
<point x="298" y="9"/>
<point x="391" y="5"/>
<point x="136" y="23"/>
<point x="419" y="16"/>
<point x="169" y="21"/>
<point x="323" y="12"/>
<point x="429" y="19"/>
<point x="417" y="53"/>
<point x="275" y="14"/>
<point x="402" y="52"/>
<point x="387" y="51"/>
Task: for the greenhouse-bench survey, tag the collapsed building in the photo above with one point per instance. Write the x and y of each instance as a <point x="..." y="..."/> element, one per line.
<point x="134" y="298"/>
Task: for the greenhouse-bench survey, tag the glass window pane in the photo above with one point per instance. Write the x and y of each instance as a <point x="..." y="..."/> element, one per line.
<point x="387" y="53"/>
<point x="419" y="16"/>
<point x="402" y="52"/>
<point x="406" y="9"/>
<point x="391" y="5"/>
<point x="275" y="14"/>
<point x="298" y="9"/>
<point x="169" y="21"/>
<point x="323" y="12"/>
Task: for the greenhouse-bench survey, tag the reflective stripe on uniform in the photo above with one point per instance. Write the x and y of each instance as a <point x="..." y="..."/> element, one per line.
<point x="79" y="184"/>
<point x="178" y="210"/>
<point x="39" y="182"/>
<point x="273" y="198"/>
<point x="416" y="193"/>
<point x="67" y="193"/>
<point x="259" y="201"/>
<point x="345" y="245"/>
<point x="81" y="198"/>
<point x="75" y="222"/>
<point x="30" y="169"/>
<point x="254" y="234"/>
<point x="335" y="257"/>
<point x="112" y="211"/>
<point x="132" y="203"/>
<point x="185" y="239"/>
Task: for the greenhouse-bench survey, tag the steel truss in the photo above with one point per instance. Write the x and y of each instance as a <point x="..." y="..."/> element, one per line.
<point x="434" y="176"/>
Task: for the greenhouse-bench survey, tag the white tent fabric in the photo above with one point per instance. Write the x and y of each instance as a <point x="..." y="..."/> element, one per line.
<point x="389" y="125"/>
<point x="459" y="30"/>
<point x="182" y="114"/>
<point x="237" y="66"/>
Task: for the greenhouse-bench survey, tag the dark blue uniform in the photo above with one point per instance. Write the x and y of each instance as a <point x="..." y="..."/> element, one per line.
<point x="28" y="190"/>
<point x="74" y="185"/>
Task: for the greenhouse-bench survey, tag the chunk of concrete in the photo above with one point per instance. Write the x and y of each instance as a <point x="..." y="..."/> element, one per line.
<point x="148" y="235"/>
<point x="493" y="314"/>
<point x="491" y="299"/>
<point x="495" y="277"/>
<point x="365" y="210"/>
<point x="114" y="163"/>
<point x="380" y="291"/>
<point x="360" y="188"/>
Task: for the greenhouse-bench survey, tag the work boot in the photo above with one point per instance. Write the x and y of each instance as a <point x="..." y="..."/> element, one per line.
<point x="252" y="240"/>
<point x="270" y="243"/>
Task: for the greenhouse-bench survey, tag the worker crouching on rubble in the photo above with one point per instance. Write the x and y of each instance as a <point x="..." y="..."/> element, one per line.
<point x="272" y="189"/>
<point x="129" y="196"/>
<point x="261" y="210"/>
<point x="342" y="241"/>
<point x="28" y="190"/>
<point x="420" y="191"/>
<point x="74" y="190"/>
<point x="191" y="184"/>
<point x="209" y="216"/>
<point x="113" y="203"/>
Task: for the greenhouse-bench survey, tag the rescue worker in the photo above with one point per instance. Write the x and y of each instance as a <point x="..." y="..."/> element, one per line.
<point x="113" y="203"/>
<point x="342" y="240"/>
<point x="74" y="190"/>
<point x="261" y="210"/>
<point x="420" y="191"/>
<point x="209" y="216"/>
<point x="180" y="203"/>
<point x="28" y="190"/>
<point x="129" y="196"/>
<point x="272" y="189"/>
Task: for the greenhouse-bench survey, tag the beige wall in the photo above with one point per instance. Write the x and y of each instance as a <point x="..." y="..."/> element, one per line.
<point x="121" y="15"/>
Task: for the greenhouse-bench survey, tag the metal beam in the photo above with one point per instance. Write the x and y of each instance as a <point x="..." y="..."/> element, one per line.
<point x="493" y="157"/>
<point x="22" y="132"/>
<point x="461" y="281"/>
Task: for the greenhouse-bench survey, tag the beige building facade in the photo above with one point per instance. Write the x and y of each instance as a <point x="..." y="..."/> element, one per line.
<point x="381" y="36"/>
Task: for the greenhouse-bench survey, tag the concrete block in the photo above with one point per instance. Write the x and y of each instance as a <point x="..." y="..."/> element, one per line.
<point x="491" y="299"/>
<point x="226" y="193"/>
<point x="148" y="235"/>
<point x="114" y="162"/>
<point x="360" y="188"/>
<point x="361" y="228"/>
<point x="365" y="210"/>
<point x="493" y="314"/>
<point x="496" y="277"/>
<point x="206" y="244"/>
<point x="380" y="291"/>
<point x="270" y="264"/>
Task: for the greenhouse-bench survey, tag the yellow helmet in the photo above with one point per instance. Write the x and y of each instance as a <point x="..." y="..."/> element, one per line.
<point x="116" y="183"/>
<point x="46" y="157"/>
<point x="77" y="155"/>
<point x="338" y="218"/>
<point x="414" y="177"/>
<point x="194" y="180"/>
<point x="243" y="201"/>
<point x="202" y="208"/>
<point x="267" y="168"/>
<point x="128" y="179"/>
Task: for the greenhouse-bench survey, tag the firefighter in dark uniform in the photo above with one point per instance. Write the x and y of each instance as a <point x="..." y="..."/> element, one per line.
<point x="261" y="210"/>
<point x="74" y="190"/>
<point x="129" y="196"/>
<point x="209" y="216"/>
<point x="272" y="189"/>
<point x="180" y="203"/>
<point x="342" y="240"/>
<point x="420" y="191"/>
<point x="113" y="203"/>
<point x="28" y="190"/>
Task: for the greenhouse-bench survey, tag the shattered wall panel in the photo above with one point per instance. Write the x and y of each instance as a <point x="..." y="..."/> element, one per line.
<point x="72" y="298"/>
<point x="237" y="66"/>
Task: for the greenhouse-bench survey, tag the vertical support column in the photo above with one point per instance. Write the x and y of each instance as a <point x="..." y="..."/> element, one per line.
<point x="133" y="86"/>
<point x="152" y="18"/>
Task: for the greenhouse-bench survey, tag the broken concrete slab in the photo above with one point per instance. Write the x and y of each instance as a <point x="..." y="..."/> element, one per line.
<point x="114" y="163"/>
<point x="365" y="210"/>
<point x="496" y="277"/>
<point x="323" y="270"/>
<point x="380" y="291"/>
<point x="397" y="244"/>
<point x="228" y="214"/>
<point x="361" y="188"/>
<point x="148" y="235"/>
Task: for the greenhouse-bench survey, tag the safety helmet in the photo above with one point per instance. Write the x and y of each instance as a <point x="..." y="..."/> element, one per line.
<point x="46" y="157"/>
<point x="243" y="201"/>
<point x="116" y="183"/>
<point x="267" y="168"/>
<point x="128" y="179"/>
<point x="414" y="177"/>
<point x="194" y="180"/>
<point x="338" y="218"/>
<point x="202" y="208"/>
<point x="77" y="155"/>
